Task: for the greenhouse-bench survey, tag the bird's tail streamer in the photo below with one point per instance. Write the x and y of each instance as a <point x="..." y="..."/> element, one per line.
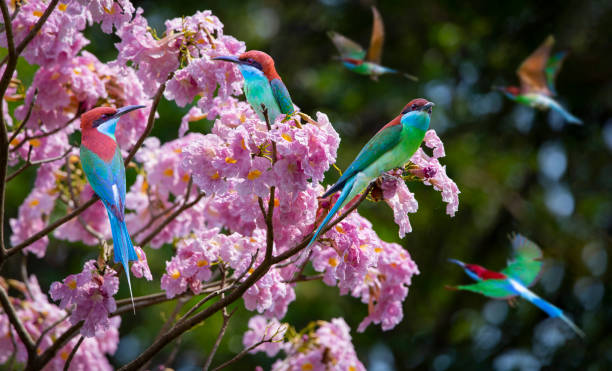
<point x="123" y="248"/>
<point x="554" y="311"/>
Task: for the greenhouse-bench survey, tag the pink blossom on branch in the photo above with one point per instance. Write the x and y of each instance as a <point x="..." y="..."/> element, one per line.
<point x="37" y="314"/>
<point x="91" y="293"/>
<point x="270" y="331"/>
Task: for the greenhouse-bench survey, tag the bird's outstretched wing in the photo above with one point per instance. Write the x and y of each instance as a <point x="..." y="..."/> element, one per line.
<point x="377" y="39"/>
<point x="553" y="66"/>
<point x="525" y="265"/>
<point x="347" y="47"/>
<point x="531" y="71"/>
<point x="383" y="141"/>
<point x="496" y="289"/>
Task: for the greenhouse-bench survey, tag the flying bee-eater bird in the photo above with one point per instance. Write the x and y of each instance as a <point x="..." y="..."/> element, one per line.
<point x="263" y="87"/>
<point x="390" y="148"/>
<point x="103" y="166"/>
<point x="513" y="281"/>
<point x="358" y="60"/>
<point x="537" y="76"/>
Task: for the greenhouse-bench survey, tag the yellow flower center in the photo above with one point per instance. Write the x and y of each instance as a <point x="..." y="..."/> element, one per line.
<point x="215" y="176"/>
<point x="178" y="150"/>
<point x="307" y="366"/>
<point x="144" y="186"/>
<point x="35" y="143"/>
<point x="202" y="263"/>
<point x="185" y="178"/>
<point x="253" y="174"/>
<point x="37" y="13"/>
<point x="62" y="7"/>
<point x="175" y="274"/>
<point x="332" y="261"/>
<point x="71" y="285"/>
<point x="110" y="11"/>
<point x="340" y="229"/>
<point x="169" y="172"/>
<point x="230" y="160"/>
<point x="287" y="137"/>
<point x="377" y="249"/>
<point x="34" y="202"/>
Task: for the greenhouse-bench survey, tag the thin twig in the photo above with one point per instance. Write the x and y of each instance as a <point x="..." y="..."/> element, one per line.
<point x="302" y="278"/>
<point x="150" y="121"/>
<point x="29" y="163"/>
<point x="242" y="354"/>
<point x="26" y="118"/>
<point x="73" y="352"/>
<point x="51" y="327"/>
<point x="24" y="274"/>
<point x="226" y="319"/>
<point x="169" y="219"/>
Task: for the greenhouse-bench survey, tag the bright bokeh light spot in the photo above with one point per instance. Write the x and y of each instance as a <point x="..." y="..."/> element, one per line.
<point x="589" y="291"/>
<point x="523" y="118"/>
<point x="560" y="200"/>
<point x="607" y="133"/>
<point x="495" y="311"/>
<point x="552" y="160"/>
<point x="514" y="359"/>
<point x="596" y="258"/>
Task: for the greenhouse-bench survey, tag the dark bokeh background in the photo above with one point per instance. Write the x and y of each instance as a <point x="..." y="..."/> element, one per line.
<point x="518" y="170"/>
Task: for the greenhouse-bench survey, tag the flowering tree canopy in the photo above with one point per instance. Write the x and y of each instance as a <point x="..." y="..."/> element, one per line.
<point x="236" y="205"/>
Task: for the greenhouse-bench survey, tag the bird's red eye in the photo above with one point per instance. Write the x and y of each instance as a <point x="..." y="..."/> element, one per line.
<point x="414" y="107"/>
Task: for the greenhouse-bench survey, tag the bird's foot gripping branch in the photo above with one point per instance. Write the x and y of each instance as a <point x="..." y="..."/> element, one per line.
<point x="234" y="205"/>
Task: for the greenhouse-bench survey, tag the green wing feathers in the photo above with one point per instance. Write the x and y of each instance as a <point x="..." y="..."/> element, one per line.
<point x="525" y="265"/>
<point x="281" y="94"/>
<point x="553" y="66"/>
<point x="496" y="289"/>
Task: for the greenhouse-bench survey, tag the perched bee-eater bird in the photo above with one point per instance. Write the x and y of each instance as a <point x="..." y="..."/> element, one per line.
<point x="537" y="77"/>
<point x="263" y="86"/>
<point x="357" y="60"/>
<point x="103" y="166"/>
<point x="390" y="148"/>
<point x="522" y="272"/>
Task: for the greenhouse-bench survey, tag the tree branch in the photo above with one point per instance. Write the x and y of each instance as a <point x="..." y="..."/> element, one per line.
<point x="17" y="324"/>
<point x="73" y="352"/>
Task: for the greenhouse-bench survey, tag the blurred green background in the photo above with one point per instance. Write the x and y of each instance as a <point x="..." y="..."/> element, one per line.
<point x="518" y="170"/>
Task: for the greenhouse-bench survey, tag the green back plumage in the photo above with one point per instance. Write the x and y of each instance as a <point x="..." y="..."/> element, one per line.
<point x="525" y="265"/>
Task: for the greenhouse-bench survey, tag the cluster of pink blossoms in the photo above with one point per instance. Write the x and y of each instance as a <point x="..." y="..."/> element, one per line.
<point x="325" y="346"/>
<point x="89" y="296"/>
<point x="37" y="315"/>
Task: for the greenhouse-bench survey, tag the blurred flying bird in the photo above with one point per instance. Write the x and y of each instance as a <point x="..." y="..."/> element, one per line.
<point x="103" y="166"/>
<point x="522" y="272"/>
<point x="537" y="77"/>
<point x="392" y="147"/>
<point x="263" y="86"/>
<point x="357" y="60"/>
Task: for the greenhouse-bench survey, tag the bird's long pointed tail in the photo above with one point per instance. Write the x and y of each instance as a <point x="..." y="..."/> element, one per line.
<point x="339" y="203"/>
<point x="566" y="115"/>
<point x="123" y="248"/>
<point x="549" y="308"/>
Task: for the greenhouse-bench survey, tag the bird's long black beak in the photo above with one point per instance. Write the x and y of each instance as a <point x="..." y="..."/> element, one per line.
<point x="120" y="112"/>
<point x="428" y="107"/>
<point x="228" y="58"/>
<point x="459" y="263"/>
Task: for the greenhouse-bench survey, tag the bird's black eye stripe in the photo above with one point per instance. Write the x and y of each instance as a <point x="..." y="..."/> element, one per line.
<point x="100" y="120"/>
<point x="414" y="107"/>
<point x="254" y="63"/>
